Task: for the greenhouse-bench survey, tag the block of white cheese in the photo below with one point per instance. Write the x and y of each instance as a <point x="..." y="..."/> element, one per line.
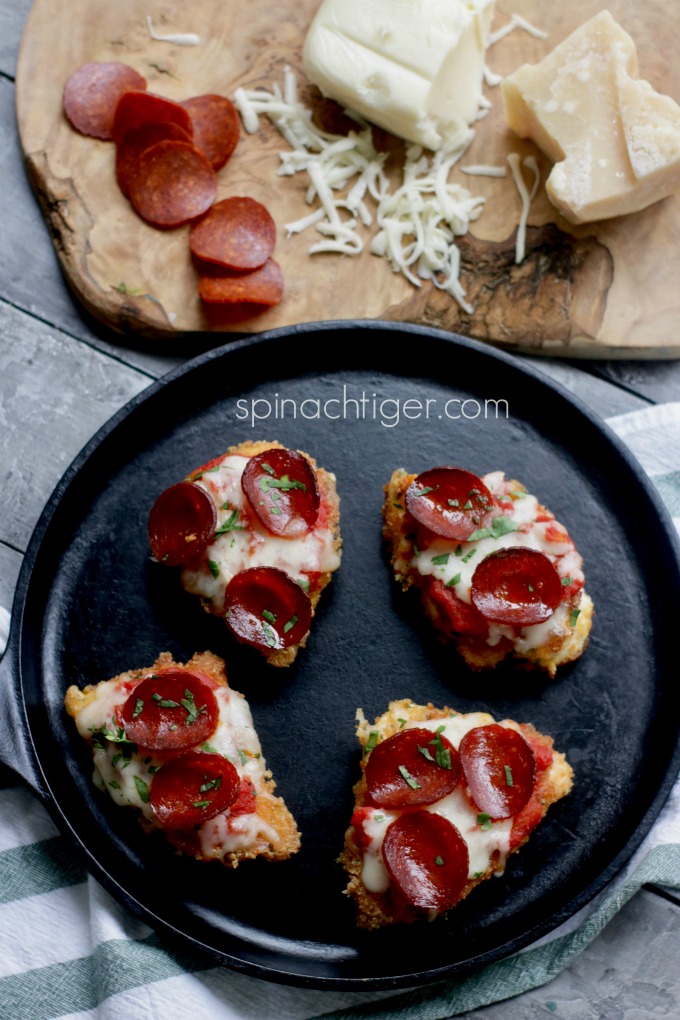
<point x="614" y="140"/>
<point x="414" y="67"/>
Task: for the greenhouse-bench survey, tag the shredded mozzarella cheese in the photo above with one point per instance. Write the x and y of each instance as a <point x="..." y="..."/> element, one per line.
<point x="491" y="78"/>
<point x="516" y="21"/>
<point x="526" y="197"/>
<point x="178" y="38"/>
<point x="484" y="170"/>
<point x="417" y="223"/>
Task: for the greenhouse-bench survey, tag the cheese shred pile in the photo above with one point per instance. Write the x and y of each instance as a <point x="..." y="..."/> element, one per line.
<point x="417" y="221"/>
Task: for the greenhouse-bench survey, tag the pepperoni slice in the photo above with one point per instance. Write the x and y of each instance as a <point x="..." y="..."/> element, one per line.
<point x="263" y="286"/>
<point x="182" y="523"/>
<point x="265" y="608"/>
<point x="171" y="711"/>
<point x="190" y="789"/>
<point x="137" y="141"/>
<point x="139" y="109"/>
<point x="450" y="502"/>
<point x="500" y="769"/>
<point x="92" y="94"/>
<point x="414" y="766"/>
<point x="427" y="858"/>
<point x="237" y="233"/>
<point x="216" y="127"/>
<point x="518" y="586"/>
<point x="281" y="488"/>
<point x="172" y="183"/>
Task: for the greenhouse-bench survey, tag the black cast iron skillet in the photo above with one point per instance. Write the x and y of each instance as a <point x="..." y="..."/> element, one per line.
<point x="90" y="604"/>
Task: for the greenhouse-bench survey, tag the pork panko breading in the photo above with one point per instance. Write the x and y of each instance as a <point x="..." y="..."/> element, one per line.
<point x="257" y="534"/>
<point x="175" y="742"/>
<point x="443" y="799"/>
<point x="497" y="574"/>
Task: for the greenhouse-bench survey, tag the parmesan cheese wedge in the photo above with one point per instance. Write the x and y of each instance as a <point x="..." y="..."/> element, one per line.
<point x="614" y="140"/>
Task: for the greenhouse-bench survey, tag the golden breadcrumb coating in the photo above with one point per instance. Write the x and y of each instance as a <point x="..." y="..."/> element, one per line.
<point x="328" y="492"/>
<point x="398" y="533"/>
<point x="270" y="808"/>
<point x="374" y="910"/>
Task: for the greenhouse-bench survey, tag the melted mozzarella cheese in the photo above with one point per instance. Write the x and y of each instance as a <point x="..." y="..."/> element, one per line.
<point x="548" y="537"/>
<point x="248" y="544"/>
<point x="125" y="775"/>
<point x="485" y="846"/>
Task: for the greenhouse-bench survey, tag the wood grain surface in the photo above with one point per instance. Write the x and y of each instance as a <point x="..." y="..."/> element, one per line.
<point x="602" y="290"/>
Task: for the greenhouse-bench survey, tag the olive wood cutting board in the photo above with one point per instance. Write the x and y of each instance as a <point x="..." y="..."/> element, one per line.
<point x="601" y="290"/>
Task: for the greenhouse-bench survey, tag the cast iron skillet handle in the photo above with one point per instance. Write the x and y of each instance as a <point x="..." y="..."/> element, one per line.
<point x="16" y="746"/>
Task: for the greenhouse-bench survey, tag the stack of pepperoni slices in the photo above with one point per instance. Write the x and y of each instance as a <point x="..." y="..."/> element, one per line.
<point x="167" y="156"/>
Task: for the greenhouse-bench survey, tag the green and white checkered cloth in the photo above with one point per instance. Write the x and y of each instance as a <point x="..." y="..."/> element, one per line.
<point x="67" y="949"/>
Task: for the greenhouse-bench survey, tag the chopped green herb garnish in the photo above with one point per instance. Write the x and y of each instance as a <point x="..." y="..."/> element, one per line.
<point x="453" y="582"/>
<point x="573" y="616"/>
<point x="373" y="738"/>
<point x="116" y="758"/>
<point x="115" y="734"/>
<point x="304" y="584"/>
<point x="114" y="784"/>
<point x="453" y="502"/>
<point x="442" y="755"/>
<point x="214" y="568"/>
<point x="413" y="783"/>
<point x="425" y="753"/>
<point x="459" y="550"/>
<point x="530" y="587"/>
<point x="189" y="703"/>
<point x="276" y="510"/>
<point x="284" y="482"/>
<point x="397" y="505"/>
<point x="402" y="723"/>
<point x="519" y="495"/>
<point x="439" y="860"/>
<point x="484" y="820"/>
<point x="139" y="705"/>
<point x="566" y="581"/>
<point x="242" y="756"/>
<point x="142" y="790"/>
<point x="165" y="702"/>
<point x="202" y="804"/>
<point x="416" y="550"/>
<point x="153" y="769"/>
<point x="268" y="468"/>
<point x="478" y="874"/>
<point x="210" y="749"/>
<point x="291" y="623"/>
<point x="441" y="561"/>
<point x="210" y="784"/>
<point x="226" y="506"/>
<point x="508" y="776"/>
<point x="230" y="524"/>
<point x="379" y="818"/>
<point x="468" y="506"/>
<point x="269" y="616"/>
<point x="269" y="635"/>
<point x="468" y="556"/>
<point x="426" y="490"/>
<point x="499" y="526"/>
